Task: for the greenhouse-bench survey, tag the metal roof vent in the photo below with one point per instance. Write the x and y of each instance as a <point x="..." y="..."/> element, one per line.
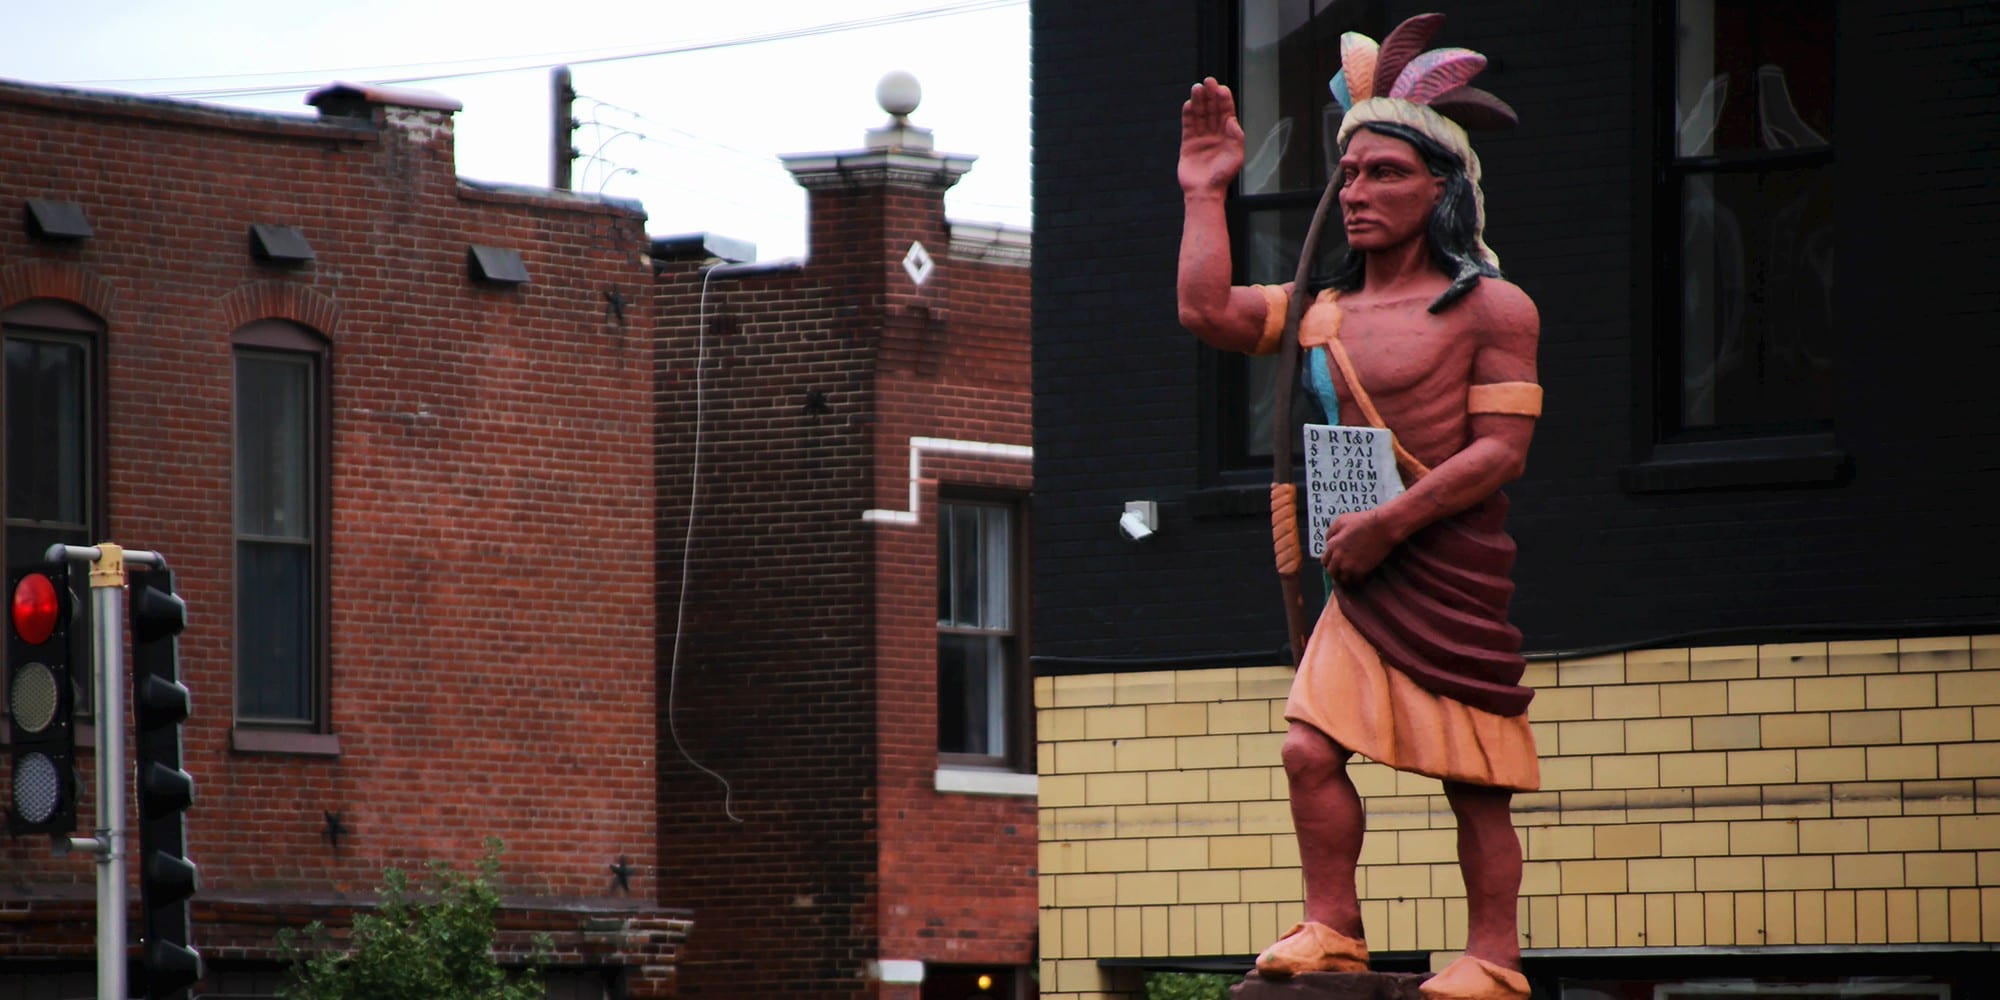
<point x="496" y="265"/>
<point x="279" y="244"/>
<point x="57" y="220"/>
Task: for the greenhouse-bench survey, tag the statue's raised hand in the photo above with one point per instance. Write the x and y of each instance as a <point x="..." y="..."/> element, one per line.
<point x="1211" y="139"/>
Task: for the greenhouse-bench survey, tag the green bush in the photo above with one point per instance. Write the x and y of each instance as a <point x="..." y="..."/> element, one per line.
<point x="1189" y="986"/>
<point x="434" y="946"/>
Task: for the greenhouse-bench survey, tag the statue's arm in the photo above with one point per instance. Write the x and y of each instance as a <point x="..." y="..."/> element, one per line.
<point x="1495" y="455"/>
<point x="1231" y="317"/>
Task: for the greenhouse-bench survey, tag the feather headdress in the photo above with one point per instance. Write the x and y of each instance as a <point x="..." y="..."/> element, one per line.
<point x="1397" y="81"/>
<point x="1400" y="68"/>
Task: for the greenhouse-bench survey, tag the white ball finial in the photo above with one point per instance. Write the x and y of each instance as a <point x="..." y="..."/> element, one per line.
<point x="898" y="93"/>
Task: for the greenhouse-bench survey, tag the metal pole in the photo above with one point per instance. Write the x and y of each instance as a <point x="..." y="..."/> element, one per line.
<point x="562" y="122"/>
<point x="107" y="605"/>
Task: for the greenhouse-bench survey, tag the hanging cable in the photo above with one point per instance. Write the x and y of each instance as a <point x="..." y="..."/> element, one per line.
<point x="687" y="543"/>
<point x="550" y="60"/>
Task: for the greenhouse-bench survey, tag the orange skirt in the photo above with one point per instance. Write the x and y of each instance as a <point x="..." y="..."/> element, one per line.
<point x="1343" y="689"/>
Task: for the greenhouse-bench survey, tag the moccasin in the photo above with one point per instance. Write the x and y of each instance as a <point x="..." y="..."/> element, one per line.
<point x="1312" y="947"/>
<point x="1473" y="978"/>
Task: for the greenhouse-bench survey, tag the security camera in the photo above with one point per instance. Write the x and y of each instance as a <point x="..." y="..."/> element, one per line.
<point x="1140" y="520"/>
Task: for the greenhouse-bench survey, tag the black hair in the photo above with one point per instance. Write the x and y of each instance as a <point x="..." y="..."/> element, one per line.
<point x="1453" y="228"/>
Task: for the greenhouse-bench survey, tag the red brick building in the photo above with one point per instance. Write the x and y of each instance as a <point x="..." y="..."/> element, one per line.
<point x="847" y="761"/>
<point x="405" y="492"/>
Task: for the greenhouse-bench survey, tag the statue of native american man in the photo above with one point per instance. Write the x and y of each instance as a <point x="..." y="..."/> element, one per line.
<point x="1412" y="662"/>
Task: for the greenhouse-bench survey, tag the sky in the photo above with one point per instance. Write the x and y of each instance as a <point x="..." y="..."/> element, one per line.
<point x="686" y="104"/>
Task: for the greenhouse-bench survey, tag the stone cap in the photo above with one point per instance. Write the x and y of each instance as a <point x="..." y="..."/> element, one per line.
<point x="876" y="168"/>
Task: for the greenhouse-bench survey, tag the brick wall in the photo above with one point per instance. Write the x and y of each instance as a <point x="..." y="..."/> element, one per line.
<point x="1843" y="793"/>
<point x="805" y="673"/>
<point x="490" y="649"/>
<point x="957" y="870"/>
<point x="767" y="680"/>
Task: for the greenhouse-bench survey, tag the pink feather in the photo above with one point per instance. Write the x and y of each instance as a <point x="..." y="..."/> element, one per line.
<point x="1401" y="46"/>
<point x="1435" y="72"/>
<point x="1357" y="57"/>
<point x="1474" y="109"/>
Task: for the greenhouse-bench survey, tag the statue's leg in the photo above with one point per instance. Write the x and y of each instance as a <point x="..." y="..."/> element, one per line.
<point x="1330" y="821"/>
<point x="1489" y="853"/>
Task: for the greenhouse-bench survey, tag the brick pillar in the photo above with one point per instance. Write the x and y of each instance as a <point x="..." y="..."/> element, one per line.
<point x="878" y="199"/>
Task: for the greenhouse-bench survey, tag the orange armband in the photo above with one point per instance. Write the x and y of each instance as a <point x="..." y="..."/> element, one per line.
<point x="1520" y="399"/>
<point x="1276" y="299"/>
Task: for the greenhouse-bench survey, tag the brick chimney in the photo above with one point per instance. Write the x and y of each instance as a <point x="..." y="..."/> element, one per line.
<point x="424" y="117"/>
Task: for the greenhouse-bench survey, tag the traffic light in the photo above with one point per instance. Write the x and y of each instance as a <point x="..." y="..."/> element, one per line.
<point x="159" y="705"/>
<point x="41" y="702"/>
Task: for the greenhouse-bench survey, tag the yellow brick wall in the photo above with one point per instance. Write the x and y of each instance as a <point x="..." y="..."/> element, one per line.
<point x="1802" y="793"/>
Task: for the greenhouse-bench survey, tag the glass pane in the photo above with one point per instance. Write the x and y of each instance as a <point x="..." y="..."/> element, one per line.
<point x="1259" y="377"/>
<point x="1259" y="408"/>
<point x="273" y="446"/>
<point x="1273" y="237"/>
<point x="1753" y="75"/>
<point x="971" y="696"/>
<point x="964" y="565"/>
<point x="1291" y="49"/>
<point x="996" y="581"/>
<point x="1757" y="309"/>
<point x="274" y="632"/>
<point x="48" y="461"/>
<point x="944" y="560"/>
<point x="1271" y="244"/>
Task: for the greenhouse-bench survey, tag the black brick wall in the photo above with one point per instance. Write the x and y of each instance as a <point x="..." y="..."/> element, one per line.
<point x="1906" y="544"/>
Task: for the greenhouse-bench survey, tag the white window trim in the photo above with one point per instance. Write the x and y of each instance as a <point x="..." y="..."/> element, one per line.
<point x="986" y="781"/>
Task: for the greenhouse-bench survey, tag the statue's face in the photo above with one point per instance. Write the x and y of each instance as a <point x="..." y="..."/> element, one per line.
<point x="1386" y="192"/>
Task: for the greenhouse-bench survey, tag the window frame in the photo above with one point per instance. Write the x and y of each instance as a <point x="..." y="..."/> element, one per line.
<point x="1017" y="713"/>
<point x="61" y="321"/>
<point x="1668" y="457"/>
<point x="285" y="340"/>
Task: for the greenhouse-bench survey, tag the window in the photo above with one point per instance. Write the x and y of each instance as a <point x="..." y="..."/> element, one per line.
<point x="1747" y="200"/>
<point x="52" y="450"/>
<point x="280" y="526"/>
<point x="1285" y="52"/>
<point x="982" y="685"/>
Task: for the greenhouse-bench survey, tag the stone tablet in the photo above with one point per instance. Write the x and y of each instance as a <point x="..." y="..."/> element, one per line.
<point x="1348" y="469"/>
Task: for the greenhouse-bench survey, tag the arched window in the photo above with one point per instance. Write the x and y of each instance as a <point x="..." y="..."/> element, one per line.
<point x="54" y="446"/>
<point x="281" y="525"/>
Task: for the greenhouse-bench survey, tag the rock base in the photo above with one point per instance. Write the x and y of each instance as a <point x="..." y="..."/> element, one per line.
<point x="1332" y="986"/>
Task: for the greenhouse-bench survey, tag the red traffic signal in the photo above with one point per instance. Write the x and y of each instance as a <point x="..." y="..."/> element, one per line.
<point x="37" y="608"/>
<point x="40" y="703"/>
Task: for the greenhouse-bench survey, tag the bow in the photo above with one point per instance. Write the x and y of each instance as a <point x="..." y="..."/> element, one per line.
<point x="1291" y="582"/>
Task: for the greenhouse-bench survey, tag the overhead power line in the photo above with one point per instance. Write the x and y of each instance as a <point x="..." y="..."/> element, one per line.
<point x="549" y="59"/>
